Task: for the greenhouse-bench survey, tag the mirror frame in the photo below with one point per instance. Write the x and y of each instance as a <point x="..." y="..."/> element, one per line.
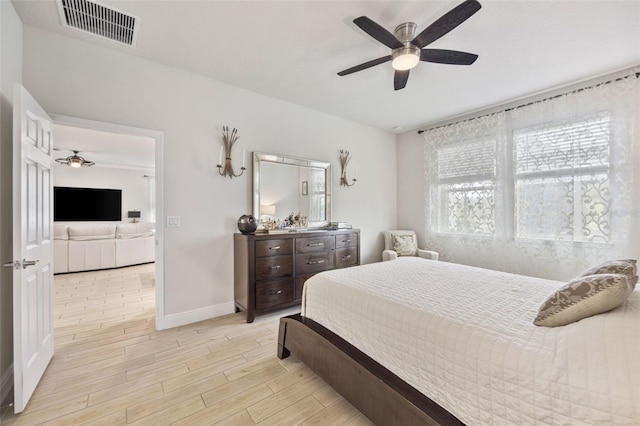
<point x="262" y="157"/>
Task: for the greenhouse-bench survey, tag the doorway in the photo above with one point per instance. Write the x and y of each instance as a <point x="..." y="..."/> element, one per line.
<point x="157" y="141"/>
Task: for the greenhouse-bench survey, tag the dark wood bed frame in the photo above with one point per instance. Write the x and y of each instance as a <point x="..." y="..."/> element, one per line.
<point x="378" y="393"/>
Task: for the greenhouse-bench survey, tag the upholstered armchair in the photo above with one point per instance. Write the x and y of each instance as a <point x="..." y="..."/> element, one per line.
<point x="404" y="243"/>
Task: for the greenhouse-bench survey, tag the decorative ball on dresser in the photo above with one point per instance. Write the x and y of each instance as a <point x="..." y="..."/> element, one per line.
<point x="247" y="224"/>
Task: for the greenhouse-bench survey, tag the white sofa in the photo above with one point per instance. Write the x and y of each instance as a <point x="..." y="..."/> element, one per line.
<point x="91" y="247"/>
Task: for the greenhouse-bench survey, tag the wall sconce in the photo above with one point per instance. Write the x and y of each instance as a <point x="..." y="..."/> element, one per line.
<point x="227" y="145"/>
<point x="134" y="215"/>
<point x="344" y="161"/>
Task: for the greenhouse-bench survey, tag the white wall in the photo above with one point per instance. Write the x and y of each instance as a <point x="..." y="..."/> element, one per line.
<point x="410" y="158"/>
<point x="133" y="184"/>
<point x="10" y="73"/>
<point x="92" y="82"/>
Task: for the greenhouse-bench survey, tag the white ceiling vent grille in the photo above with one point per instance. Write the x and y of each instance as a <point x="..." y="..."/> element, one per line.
<point x="98" y="19"/>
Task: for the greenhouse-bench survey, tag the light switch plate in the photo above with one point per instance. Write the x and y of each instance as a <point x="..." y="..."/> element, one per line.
<point x="173" y="221"/>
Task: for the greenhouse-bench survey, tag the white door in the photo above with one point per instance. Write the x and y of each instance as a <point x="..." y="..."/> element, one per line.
<point x="32" y="245"/>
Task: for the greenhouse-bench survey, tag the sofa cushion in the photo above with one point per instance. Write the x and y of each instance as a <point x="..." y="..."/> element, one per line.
<point x="91" y="232"/>
<point x="60" y="232"/>
<point x="135" y="230"/>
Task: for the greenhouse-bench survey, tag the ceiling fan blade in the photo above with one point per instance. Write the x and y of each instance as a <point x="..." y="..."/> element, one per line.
<point x="446" y="23"/>
<point x="400" y="79"/>
<point x="451" y="57"/>
<point x="365" y="65"/>
<point x="377" y="32"/>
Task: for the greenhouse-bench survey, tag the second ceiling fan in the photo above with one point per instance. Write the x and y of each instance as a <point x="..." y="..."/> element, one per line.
<point x="408" y="49"/>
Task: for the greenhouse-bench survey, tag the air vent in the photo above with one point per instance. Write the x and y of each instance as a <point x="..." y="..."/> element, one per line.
<point x="98" y="19"/>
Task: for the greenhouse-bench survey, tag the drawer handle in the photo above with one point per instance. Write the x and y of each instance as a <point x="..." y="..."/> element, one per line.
<point x="315" y="244"/>
<point x="274" y="248"/>
<point x="346" y="257"/>
<point x="315" y="262"/>
<point x="346" y="241"/>
<point x="275" y="267"/>
<point x="274" y="292"/>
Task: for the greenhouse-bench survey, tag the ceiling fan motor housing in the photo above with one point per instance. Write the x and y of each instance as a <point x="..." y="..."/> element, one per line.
<point x="405" y="32"/>
<point x="408" y="56"/>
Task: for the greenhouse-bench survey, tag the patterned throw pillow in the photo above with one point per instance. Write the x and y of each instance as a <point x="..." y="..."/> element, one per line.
<point x="404" y="245"/>
<point x="626" y="267"/>
<point x="583" y="297"/>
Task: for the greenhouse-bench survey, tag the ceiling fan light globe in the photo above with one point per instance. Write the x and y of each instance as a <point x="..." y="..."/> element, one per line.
<point x="405" y="61"/>
<point x="75" y="163"/>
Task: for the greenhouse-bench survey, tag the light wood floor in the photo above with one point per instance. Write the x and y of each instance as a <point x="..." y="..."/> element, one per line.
<point x="111" y="367"/>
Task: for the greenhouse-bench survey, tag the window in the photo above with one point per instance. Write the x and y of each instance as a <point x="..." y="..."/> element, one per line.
<point x="466" y="176"/>
<point x="317" y="188"/>
<point x="565" y="166"/>
<point x="545" y="189"/>
<point x="151" y="189"/>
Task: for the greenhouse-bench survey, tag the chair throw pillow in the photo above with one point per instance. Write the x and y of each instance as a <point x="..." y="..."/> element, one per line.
<point x="404" y="245"/>
<point x="583" y="297"/>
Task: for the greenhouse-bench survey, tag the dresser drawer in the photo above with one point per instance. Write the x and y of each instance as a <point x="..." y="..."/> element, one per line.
<point x="272" y="293"/>
<point x="274" y="267"/>
<point x="347" y="240"/>
<point x="346" y="257"/>
<point x="274" y="247"/>
<point x="314" y="262"/>
<point x="311" y="244"/>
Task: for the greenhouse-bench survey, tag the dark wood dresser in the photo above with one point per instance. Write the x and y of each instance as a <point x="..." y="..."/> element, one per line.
<point x="270" y="269"/>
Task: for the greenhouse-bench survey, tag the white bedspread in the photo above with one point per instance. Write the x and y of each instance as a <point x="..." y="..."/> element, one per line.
<point x="465" y="337"/>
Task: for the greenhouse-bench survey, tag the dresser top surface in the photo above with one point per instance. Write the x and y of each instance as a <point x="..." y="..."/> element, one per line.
<point x="309" y="233"/>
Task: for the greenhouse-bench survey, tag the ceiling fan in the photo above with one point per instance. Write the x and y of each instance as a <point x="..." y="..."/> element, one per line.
<point x="408" y="49"/>
<point x="75" y="161"/>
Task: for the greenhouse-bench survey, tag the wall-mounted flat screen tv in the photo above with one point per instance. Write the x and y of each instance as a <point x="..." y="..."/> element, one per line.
<point x="86" y="204"/>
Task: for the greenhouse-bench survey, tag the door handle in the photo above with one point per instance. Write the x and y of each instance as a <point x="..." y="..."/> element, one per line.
<point x="26" y="263"/>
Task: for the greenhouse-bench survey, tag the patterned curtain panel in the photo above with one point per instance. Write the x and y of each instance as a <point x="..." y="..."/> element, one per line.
<point x="546" y="189"/>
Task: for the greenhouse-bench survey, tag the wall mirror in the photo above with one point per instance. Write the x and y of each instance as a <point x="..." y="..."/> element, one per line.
<point x="284" y="185"/>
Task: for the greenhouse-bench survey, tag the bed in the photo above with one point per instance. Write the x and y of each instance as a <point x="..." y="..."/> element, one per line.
<point x="424" y="342"/>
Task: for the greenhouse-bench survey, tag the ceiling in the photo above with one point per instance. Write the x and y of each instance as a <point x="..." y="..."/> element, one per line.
<point x="106" y="149"/>
<point x="292" y="50"/>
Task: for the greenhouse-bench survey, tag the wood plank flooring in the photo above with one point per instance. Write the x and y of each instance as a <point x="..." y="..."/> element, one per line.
<point x="111" y="367"/>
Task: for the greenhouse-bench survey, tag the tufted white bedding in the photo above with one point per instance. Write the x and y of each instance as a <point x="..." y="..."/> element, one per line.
<point x="465" y="337"/>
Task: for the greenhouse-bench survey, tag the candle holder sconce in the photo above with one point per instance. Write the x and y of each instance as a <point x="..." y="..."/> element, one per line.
<point x="345" y="157"/>
<point x="228" y="140"/>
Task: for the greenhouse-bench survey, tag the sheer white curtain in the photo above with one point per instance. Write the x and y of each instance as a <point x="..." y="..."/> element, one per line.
<point x="545" y="189"/>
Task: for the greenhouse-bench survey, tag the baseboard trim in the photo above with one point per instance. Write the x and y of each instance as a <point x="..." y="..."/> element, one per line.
<point x="6" y="384"/>
<point x="189" y="317"/>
